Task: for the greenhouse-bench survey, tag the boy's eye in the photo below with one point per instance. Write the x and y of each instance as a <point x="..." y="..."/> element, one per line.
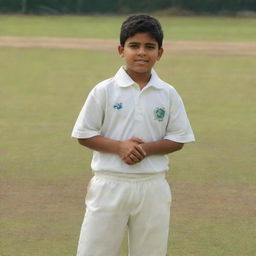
<point x="150" y="46"/>
<point x="147" y="46"/>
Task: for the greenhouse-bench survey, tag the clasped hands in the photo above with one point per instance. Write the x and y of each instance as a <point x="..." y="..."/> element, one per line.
<point x="131" y="150"/>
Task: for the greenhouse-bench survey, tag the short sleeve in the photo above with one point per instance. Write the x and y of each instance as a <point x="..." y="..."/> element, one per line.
<point x="178" y="127"/>
<point x="90" y="119"/>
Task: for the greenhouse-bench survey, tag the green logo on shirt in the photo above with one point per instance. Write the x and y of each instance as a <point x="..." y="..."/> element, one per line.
<point x="159" y="114"/>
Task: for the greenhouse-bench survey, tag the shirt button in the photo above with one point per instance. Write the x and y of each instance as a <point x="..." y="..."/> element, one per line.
<point x="136" y="86"/>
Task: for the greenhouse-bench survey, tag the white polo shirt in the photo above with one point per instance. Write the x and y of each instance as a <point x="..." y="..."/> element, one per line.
<point x="116" y="108"/>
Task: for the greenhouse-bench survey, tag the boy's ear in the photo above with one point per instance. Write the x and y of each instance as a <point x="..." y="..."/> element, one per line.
<point x="121" y="50"/>
<point x="160" y="53"/>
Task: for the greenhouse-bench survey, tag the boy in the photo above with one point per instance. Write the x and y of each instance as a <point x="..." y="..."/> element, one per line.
<point x="131" y="121"/>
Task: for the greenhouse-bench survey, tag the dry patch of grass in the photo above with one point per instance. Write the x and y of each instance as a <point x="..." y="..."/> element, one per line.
<point x="193" y="48"/>
<point x="214" y="201"/>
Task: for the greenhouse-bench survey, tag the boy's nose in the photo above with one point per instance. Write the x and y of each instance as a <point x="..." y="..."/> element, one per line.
<point x="141" y="51"/>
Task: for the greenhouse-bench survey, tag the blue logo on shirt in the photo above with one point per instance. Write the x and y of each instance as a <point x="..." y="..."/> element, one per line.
<point x="118" y="106"/>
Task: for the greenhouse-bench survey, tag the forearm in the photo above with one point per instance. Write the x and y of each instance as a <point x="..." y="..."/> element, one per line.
<point x="100" y="143"/>
<point x="129" y="150"/>
<point x="161" y="147"/>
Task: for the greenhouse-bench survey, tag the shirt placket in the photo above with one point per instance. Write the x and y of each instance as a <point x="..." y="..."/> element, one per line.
<point x="139" y="114"/>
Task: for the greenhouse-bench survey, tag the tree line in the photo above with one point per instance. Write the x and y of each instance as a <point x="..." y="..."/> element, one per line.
<point x="123" y="6"/>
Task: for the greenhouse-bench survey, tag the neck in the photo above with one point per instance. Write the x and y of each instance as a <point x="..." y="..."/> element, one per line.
<point x="140" y="78"/>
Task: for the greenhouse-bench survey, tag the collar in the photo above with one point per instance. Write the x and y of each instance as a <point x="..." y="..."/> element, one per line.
<point x="124" y="80"/>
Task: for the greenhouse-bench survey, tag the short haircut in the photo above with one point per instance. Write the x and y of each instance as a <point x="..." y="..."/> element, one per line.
<point x="141" y="23"/>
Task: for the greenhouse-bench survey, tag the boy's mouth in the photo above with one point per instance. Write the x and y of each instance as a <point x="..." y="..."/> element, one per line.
<point x="141" y="61"/>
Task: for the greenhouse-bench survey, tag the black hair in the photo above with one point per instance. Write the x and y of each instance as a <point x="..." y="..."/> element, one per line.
<point x="141" y="23"/>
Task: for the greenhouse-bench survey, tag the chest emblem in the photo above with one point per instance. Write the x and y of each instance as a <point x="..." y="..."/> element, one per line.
<point x="118" y="106"/>
<point x="159" y="114"/>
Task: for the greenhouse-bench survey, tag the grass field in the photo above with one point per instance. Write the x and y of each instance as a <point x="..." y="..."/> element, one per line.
<point x="176" y="28"/>
<point x="44" y="172"/>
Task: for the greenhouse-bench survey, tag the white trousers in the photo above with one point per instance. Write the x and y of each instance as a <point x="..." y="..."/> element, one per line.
<point x="115" y="203"/>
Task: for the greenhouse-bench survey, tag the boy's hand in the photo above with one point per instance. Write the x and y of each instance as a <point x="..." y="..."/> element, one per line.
<point x="130" y="151"/>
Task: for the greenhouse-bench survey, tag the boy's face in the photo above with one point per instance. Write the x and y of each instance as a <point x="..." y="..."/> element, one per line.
<point x="140" y="52"/>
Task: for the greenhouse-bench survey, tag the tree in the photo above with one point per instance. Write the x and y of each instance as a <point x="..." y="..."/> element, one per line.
<point x="79" y="4"/>
<point x="23" y="6"/>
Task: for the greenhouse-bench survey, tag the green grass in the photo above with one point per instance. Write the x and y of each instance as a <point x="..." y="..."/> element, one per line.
<point x="175" y="28"/>
<point x="44" y="172"/>
<point x="222" y="93"/>
<point x="214" y="237"/>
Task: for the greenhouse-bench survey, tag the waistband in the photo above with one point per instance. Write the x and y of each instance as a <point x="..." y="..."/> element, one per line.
<point x="115" y="176"/>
